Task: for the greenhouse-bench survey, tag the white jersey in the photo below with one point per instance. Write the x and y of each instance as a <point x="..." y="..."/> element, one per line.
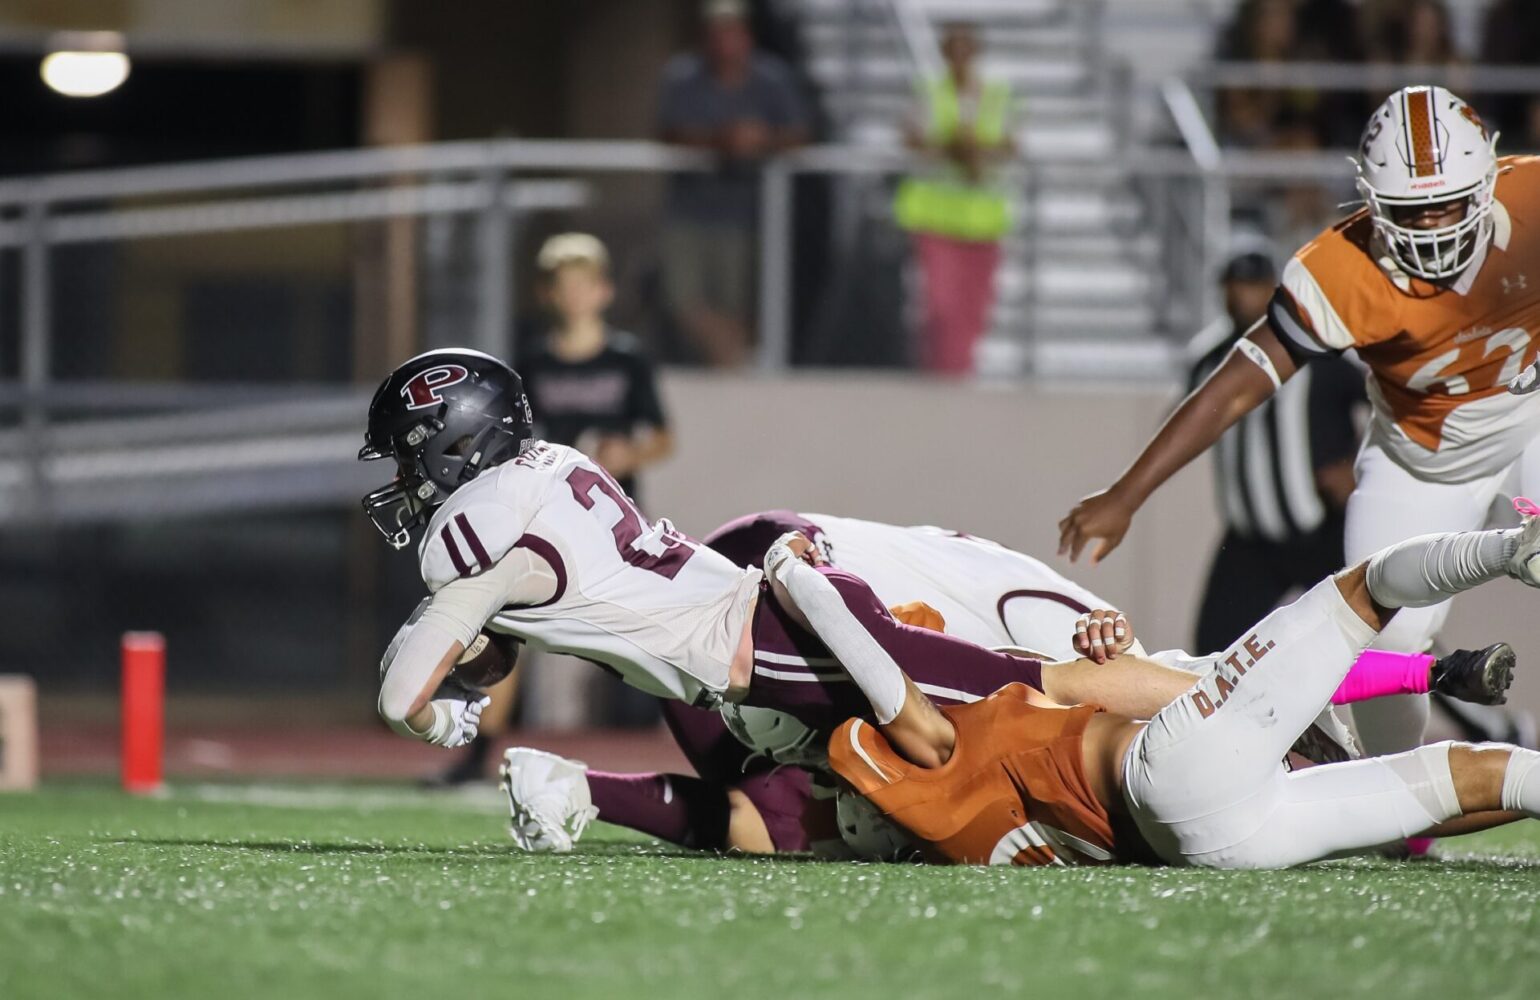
<point x="988" y="594"/>
<point x="663" y="611"/>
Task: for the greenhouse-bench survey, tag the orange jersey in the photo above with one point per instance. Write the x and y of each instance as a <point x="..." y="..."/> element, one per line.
<point x="1440" y="356"/>
<point x="1013" y="792"/>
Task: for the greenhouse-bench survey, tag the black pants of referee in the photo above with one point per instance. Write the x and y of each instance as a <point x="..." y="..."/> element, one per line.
<point x="1252" y="576"/>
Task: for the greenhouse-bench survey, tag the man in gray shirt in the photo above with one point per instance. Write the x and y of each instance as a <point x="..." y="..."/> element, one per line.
<point x="744" y="106"/>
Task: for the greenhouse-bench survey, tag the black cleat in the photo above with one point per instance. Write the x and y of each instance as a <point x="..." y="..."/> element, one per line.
<point x="1479" y="676"/>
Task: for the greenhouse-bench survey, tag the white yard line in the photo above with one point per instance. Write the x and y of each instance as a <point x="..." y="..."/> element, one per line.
<point x="475" y="799"/>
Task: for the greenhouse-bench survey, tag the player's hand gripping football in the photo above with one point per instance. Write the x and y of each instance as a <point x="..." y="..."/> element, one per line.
<point x="455" y="721"/>
<point x="1104" y="515"/>
<point x="1102" y="634"/>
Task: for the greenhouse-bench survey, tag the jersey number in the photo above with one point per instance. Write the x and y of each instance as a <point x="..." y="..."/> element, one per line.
<point x="1514" y="339"/>
<point x="658" y="549"/>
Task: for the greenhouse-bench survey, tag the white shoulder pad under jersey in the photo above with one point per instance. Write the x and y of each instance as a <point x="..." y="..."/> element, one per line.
<point x="487" y="517"/>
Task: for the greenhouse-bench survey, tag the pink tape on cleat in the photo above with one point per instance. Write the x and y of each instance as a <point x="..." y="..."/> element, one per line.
<point x="1526" y="507"/>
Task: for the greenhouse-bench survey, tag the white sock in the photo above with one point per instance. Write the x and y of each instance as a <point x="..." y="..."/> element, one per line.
<point x="1521" y="782"/>
<point x="1432" y="568"/>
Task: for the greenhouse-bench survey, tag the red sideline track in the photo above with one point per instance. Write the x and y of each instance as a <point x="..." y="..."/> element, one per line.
<point x="364" y="751"/>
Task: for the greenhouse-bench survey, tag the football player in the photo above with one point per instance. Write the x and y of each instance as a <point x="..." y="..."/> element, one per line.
<point x="1017" y="779"/>
<point x="1429" y="283"/>
<point x="536" y="541"/>
<point x="744" y="797"/>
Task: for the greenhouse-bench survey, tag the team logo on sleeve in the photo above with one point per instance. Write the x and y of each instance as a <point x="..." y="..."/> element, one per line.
<point x="423" y="389"/>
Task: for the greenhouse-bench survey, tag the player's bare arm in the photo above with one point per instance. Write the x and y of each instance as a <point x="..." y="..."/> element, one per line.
<point x="1247" y="378"/>
<point x="920" y="732"/>
<point x="1132" y="686"/>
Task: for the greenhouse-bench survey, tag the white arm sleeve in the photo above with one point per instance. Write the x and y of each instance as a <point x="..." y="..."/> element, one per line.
<point x="419" y="655"/>
<point x="401" y="633"/>
<point x="456" y="613"/>
<point x="876" y="673"/>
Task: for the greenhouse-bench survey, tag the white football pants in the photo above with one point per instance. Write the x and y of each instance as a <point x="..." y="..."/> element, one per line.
<point x="1391" y="505"/>
<point x="1204" y="781"/>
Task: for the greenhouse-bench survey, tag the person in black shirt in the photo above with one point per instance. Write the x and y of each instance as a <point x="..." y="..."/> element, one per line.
<point x="1282" y="475"/>
<point x="591" y="388"/>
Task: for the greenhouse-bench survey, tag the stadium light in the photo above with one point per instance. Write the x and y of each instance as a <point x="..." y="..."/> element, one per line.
<point x="85" y="63"/>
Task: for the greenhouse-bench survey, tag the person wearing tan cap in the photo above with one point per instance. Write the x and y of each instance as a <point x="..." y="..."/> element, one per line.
<point x="592" y="387"/>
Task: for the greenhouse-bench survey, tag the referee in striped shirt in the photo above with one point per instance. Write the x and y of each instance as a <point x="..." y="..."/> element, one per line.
<point x="1283" y="473"/>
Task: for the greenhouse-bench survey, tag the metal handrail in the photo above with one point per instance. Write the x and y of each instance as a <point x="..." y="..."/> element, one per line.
<point x="1191" y="125"/>
<point x="297" y="210"/>
<point x="1364" y="76"/>
<point x="495" y="179"/>
<point x="919" y="37"/>
<point x="42" y="222"/>
<point x="344" y="166"/>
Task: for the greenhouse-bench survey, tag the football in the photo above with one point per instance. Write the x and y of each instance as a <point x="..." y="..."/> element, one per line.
<point x="490" y="657"/>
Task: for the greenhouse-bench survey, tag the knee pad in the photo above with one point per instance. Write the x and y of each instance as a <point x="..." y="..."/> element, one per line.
<point x="1523" y="770"/>
<point x="1427" y="776"/>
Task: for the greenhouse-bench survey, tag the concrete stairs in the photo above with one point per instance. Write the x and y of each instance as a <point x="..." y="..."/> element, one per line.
<point x="1079" y="270"/>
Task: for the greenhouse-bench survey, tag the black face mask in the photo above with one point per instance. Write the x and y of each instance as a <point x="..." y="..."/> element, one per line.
<point x="399" y="506"/>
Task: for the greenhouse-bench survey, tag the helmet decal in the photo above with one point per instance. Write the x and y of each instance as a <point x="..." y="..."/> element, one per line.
<point x="1376" y="126"/>
<point x="1469" y="113"/>
<point x="1426" y="156"/>
<point x="422" y="390"/>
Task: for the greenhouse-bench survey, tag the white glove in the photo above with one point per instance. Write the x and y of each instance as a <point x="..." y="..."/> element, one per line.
<point x="1526" y="381"/>
<point x="455" y="721"/>
<point x="790" y="547"/>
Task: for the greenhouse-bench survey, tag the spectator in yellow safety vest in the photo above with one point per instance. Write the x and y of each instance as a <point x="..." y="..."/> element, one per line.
<point x="955" y="209"/>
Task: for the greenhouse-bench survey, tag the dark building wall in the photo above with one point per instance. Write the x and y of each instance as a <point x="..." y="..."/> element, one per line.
<point x="176" y="110"/>
<point x="582" y="68"/>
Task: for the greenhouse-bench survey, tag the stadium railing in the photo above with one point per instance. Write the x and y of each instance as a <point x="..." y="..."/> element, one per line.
<point x="63" y="456"/>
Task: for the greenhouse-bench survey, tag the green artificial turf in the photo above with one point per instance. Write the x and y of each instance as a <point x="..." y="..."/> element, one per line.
<point x="374" y="891"/>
